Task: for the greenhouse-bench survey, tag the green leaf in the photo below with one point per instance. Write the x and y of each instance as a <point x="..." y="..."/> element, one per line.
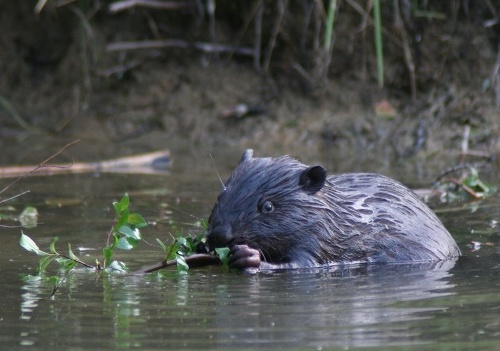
<point x="124" y="202"/>
<point x="193" y="242"/>
<point x="162" y="245"/>
<point x="44" y="262"/>
<point x="182" y="266"/>
<point x="28" y="244"/>
<point x="116" y="205"/>
<point x="125" y="243"/>
<point x="223" y="253"/>
<point x="52" y="246"/>
<point x="122" y="220"/>
<point x="204" y="224"/>
<point x="108" y="254"/>
<point x="182" y="241"/>
<point x="71" y="254"/>
<point x="129" y="232"/>
<point x="172" y="250"/>
<point x="54" y="280"/>
<point x="117" y="266"/>
<point x="136" y="220"/>
<point x="65" y="263"/>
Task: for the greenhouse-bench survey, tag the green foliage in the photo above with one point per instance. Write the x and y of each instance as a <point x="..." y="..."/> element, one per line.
<point x="330" y="20"/>
<point x="223" y="253"/>
<point x="378" y="42"/>
<point x="124" y="235"/>
<point x="66" y="262"/>
<point x="28" y="244"/>
<point x="480" y="188"/>
<point x="179" y="249"/>
<point x="468" y="186"/>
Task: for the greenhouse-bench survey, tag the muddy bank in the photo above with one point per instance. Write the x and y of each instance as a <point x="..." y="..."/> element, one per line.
<point x="60" y="83"/>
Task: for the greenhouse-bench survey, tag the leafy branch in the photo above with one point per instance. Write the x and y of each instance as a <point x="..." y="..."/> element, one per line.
<point x="124" y="234"/>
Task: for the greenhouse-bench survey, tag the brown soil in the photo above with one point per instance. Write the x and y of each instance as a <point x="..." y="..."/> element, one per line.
<point x="56" y="75"/>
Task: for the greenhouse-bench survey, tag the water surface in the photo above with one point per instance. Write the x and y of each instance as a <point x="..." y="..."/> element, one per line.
<point x="455" y="305"/>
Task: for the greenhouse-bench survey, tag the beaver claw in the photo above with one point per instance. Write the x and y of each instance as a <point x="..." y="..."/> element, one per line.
<point x="242" y="256"/>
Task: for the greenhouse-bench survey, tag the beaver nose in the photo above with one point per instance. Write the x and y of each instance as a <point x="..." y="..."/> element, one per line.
<point x="219" y="236"/>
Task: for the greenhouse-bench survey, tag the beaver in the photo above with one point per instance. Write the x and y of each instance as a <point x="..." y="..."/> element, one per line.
<point x="278" y="213"/>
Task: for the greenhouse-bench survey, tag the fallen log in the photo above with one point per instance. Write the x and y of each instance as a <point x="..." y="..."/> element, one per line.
<point x="150" y="163"/>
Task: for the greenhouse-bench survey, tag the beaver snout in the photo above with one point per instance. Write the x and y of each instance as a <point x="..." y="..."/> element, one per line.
<point x="219" y="236"/>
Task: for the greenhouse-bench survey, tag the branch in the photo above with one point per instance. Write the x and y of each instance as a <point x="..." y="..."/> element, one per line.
<point x="196" y="260"/>
<point x="155" y="4"/>
<point x="159" y="44"/>
<point x="40" y="165"/>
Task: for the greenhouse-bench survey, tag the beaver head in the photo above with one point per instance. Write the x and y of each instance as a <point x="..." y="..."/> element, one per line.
<point x="270" y="204"/>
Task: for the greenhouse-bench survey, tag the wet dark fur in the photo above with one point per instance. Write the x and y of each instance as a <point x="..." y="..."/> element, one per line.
<point x="347" y="218"/>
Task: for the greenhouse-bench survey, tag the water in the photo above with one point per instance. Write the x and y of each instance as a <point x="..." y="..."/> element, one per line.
<point x="455" y="305"/>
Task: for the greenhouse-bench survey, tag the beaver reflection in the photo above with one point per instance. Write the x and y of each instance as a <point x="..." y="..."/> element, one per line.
<point x="278" y="213"/>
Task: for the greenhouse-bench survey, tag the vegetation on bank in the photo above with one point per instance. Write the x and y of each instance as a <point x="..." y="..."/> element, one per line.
<point x="142" y="66"/>
<point x="307" y="38"/>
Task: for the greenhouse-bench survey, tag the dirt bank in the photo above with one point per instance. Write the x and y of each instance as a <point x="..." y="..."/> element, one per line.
<point x="60" y="83"/>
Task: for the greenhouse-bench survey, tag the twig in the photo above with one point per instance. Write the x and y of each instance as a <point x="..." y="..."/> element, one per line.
<point x="120" y="70"/>
<point x="468" y="190"/>
<point x="410" y="64"/>
<point x="41" y="165"/>
<point x="156" y="4"/>
<point x="254" y="12"/>
<point x="78" y="261"/>
<point x="477" y="153"/>
<point x="495" y="79"/>
<point x="281" y="5"/>
<point x="13" y="197"/>
<point x="258" y="35"/>
<point x="196" y="260"/>
<point x="39" y="6"/>
<point x="7" y="106"/>
<point x="368" y="20"/>
<point x="465" y="139"/>
<point x="11" y="226"/>
<point x="160" y="44"/>
<point x="308" y="12"/>
<point x="452" y="170"/>
<point x="211" y="19"/>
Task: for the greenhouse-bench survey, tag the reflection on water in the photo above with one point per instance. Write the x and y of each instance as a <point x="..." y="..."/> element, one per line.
<point x="213" y="308"/>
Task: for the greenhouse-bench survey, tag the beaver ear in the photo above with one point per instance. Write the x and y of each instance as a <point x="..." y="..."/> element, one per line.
<point x="247" y="155"/>
<point x="313" y="179"/>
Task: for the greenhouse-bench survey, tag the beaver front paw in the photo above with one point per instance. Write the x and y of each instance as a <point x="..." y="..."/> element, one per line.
<point x="242" y="256"/>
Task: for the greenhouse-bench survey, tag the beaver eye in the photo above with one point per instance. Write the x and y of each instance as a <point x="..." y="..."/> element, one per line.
<point x="267" y="207"/>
